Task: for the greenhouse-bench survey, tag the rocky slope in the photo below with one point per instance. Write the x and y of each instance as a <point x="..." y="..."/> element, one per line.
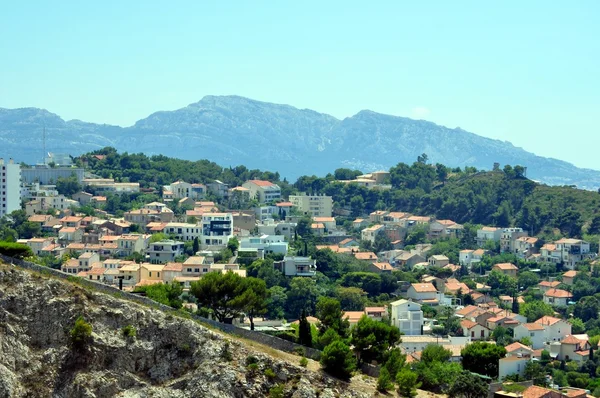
<point x="233" y="130"/>
<point x="169" y="357"/>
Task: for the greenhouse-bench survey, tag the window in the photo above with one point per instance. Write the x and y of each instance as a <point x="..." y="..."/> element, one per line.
<point x="196" y="270"/>
<point x="150" y="274"/>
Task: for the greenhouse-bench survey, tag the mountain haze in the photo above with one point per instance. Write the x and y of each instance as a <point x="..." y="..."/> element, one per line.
<point x="232" y="130"/>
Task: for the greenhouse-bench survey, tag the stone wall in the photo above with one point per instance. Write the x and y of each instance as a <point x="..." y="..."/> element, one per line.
<point x="271" y="341"/>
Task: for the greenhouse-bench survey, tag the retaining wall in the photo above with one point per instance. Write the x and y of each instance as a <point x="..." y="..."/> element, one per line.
<point x="271" y="341"/>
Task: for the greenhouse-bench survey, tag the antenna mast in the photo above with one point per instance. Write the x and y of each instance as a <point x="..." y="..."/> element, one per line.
<point x="44" y="143"/>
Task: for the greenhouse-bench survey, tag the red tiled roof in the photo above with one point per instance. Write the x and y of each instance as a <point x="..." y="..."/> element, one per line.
<point x="547" y="320"/>
<point x="558" y="293"/>
<point x="262" y="183"/>
<point x="424" y="287"/>
<point x="516" y="346"/>
<point x="533" y="326"/>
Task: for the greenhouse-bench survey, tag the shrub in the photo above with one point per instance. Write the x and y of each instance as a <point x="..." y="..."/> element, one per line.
<point x="300" y="351"/>
<point x="407" y="383"/>
<point x="303" y="362"/>
<point x="16" y="250"/>
<point x="270" y="373"/>
<point x="384" y="381"/>
<point x="129" y="331"/>
<point x="337" y="360"/>
<point x="276" y="391"/>
<point x="252" y="367"/>
<point x="80" y="333"/>
<point x="251" y="359"/>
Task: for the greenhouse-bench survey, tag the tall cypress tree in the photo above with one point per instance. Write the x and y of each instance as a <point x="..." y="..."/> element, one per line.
<point x="304" y="335"/>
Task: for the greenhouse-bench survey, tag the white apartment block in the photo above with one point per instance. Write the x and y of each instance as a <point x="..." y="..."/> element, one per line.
<point x="46" y="175"/>
<point x="263" y="191"/>
<point x="183" y="231"/>
<point x="182" y="189"/>
<point x="103" y="185"/>
<point x="10" y="187"/>
<point x="313" y="205"/>
<point x="297" y="266"/>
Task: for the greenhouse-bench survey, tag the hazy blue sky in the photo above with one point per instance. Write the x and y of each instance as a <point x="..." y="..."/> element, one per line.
<point x="522" y="71"/>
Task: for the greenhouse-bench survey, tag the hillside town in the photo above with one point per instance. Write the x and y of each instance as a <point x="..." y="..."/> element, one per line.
<point x="437" y="282"/>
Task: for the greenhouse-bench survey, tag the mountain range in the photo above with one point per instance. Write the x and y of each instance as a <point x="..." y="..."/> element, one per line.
<point x="232" y="130"/>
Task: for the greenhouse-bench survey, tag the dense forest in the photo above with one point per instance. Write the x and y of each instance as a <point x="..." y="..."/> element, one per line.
<point x="503" y="197"/>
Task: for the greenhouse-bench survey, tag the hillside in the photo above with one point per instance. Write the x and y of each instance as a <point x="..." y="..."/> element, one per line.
<point x="168" y="357"/>
<point x="232" y="130"/>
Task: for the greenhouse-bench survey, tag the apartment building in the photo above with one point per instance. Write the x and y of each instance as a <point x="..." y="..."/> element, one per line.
<point x="268" y="244"/>
<point x="10" y="187"/>
<point x="182" y="189"/>
<point x="313" y="205"/>
<point x="297" y="266"/>
<point x="102" y="185"/>
<point x="263" y="191"/>
<point x="508" y="239"/>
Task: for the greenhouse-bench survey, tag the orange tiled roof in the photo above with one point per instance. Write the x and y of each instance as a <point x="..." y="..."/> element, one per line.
<point x="424" y="287"/>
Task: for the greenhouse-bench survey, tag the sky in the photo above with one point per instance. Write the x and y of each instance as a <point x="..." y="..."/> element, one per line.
<point x="521" y="71"/>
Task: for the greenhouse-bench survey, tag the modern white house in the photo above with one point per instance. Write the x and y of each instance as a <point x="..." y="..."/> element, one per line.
<point x="407" y="316"/>
<point x="572" y="251"/>
<point x="297" y="266"/>
<point x="268" y="244"/>
<point x="10" y="187"/>
<point x="217" y="229"/>
<point x="165" y="251"/>
<point x="422" y="292"/>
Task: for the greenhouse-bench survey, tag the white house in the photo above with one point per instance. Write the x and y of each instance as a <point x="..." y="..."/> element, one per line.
<point x="534" y="331"/>
<point x="217" y="229"/>
<point x="369" y="234"/>
<point x="488" y="233"/>
<point x="407" y="316"/>
<point x="555" y="329"/>
<point x="557" y="297"/>
<point x="512" y="365"/>
<point x="572" y="251"/>
<point x="313" y="205"/>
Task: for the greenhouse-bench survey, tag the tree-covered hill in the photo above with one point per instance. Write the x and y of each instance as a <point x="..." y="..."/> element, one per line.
<point x="502" y="198"/>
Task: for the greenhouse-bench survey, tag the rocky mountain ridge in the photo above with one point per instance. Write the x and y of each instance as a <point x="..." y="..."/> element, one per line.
<point x="168" y="357"/>
<point x="232" y="130"/>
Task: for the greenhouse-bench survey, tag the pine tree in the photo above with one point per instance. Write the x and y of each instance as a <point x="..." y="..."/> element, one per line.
<point x="515" y="304"/>
<point x="196" y="246"/>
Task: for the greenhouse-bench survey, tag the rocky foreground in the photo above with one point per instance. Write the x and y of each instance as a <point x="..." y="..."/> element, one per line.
<point x="168" y="357"/>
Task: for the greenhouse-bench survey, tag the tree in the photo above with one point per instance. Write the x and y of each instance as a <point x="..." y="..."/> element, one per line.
<point x="337" y="360"/>
<point x="233" y="244"/>
<point x="158" y="237"/>
<point x="302" y="295"/>
<point x="594" y="228"/>
<point x="577" y="326"/>
<point x="331" y="316"/>
<point x="467" y="385"/>
<point x="68" y="186"/>
<point x="81" y="333"/>
<point x="422" y="158"/>
<point x="528" y="279"/>
<point x="276" y="303"/>
<point x="482" y="357"/>
<point x="196" y="245"/>
<point x="372" y="339"/>
<point x="254" y="298"/>
<point x="351" y="298"/>
<point x="407" y="382"/>
<point x="534" y="371"/>
<point x="536" y="309"/>
<point x="164" y="293"/>
<point x="587" y="308"/>
<point x="435" y="353"/>
<point x="304" y="334"/>
<point x="221" y="293"/>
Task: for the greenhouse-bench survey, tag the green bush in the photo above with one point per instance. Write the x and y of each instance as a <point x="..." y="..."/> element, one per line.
<point x="253" y="367"/>
<point x="384" y="381"/>
<point x="16" y="250"/>
<point x="300" y="351"/>
<point x="276" y="391"/>
<point x="129" y="331"/>
<point x="81" y="333"/>
<point x="303" y="362"/>
<point x="270" y="373"/>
